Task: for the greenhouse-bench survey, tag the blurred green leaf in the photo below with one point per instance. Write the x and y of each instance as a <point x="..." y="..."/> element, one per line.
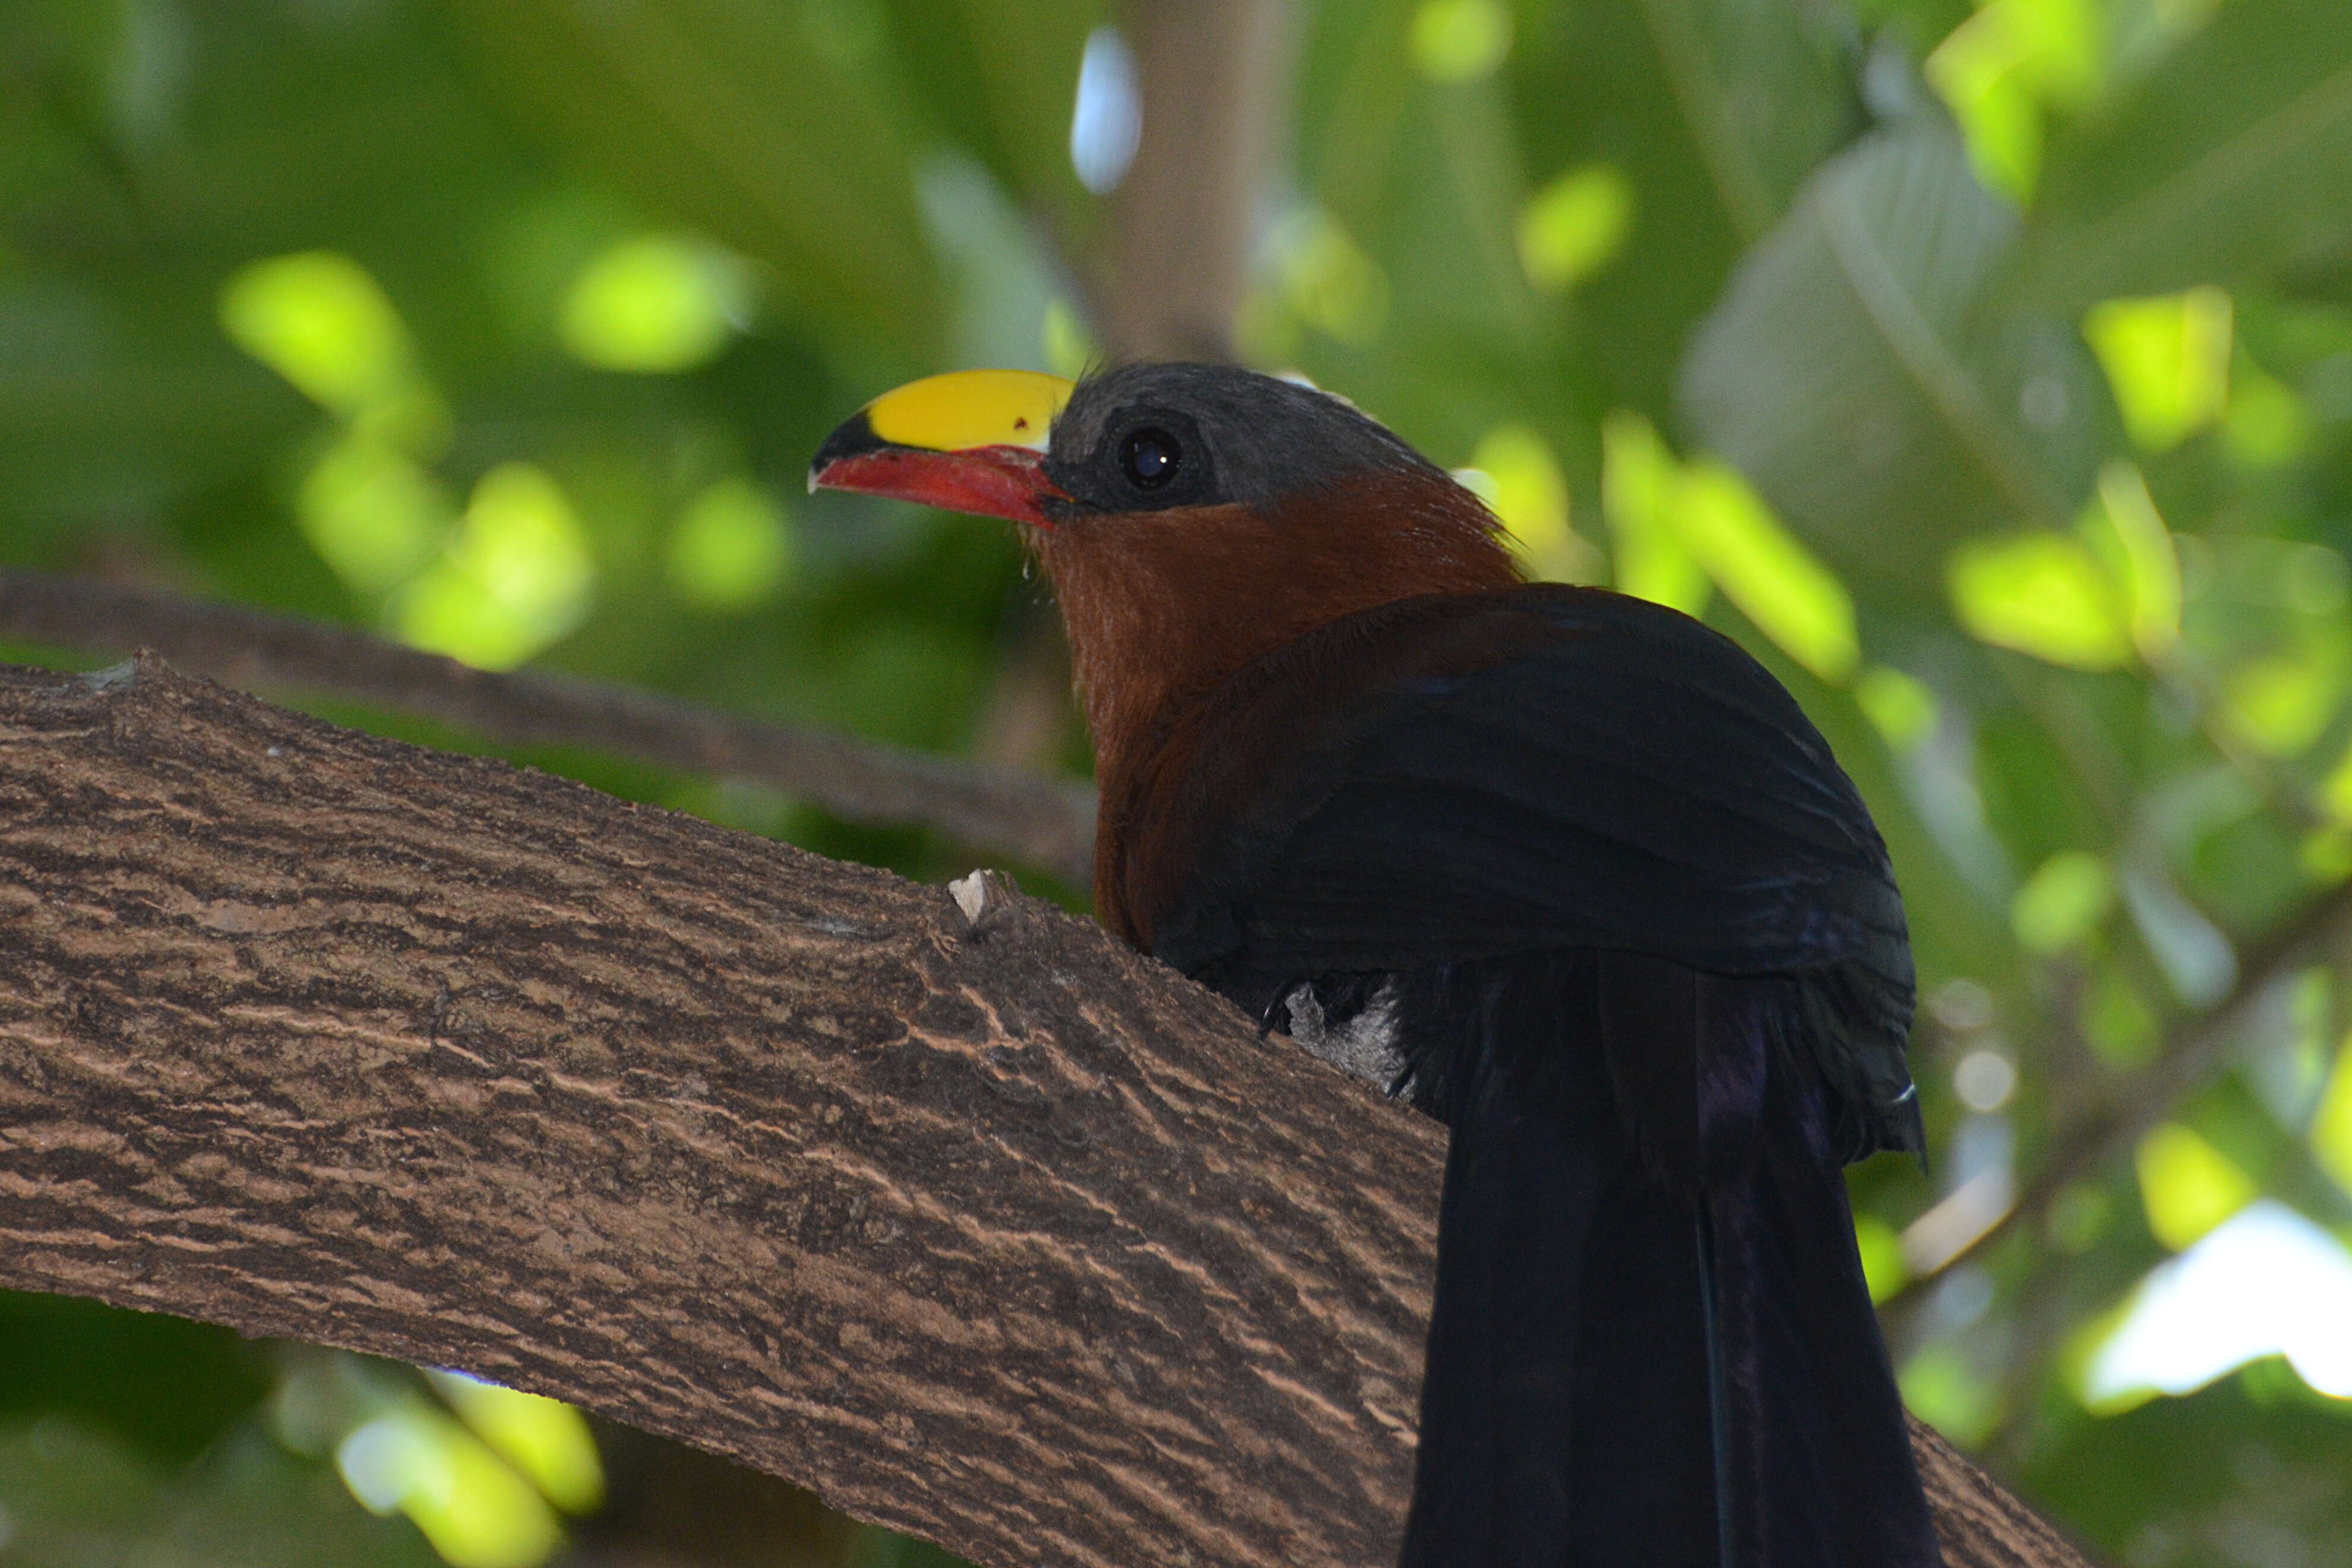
<point x="517" y="576"/>
<point x="1528" y="493"/>
<point x="545" y="1439"/>
<point x="320" y="322"/>
<point x="2147" y="564"/>
<point x="2063" y="902"/>
<point x="1998" y="70"/>
<point x="1882" y="1255"/>
<point x="372" y="512"/>
<point x="2167" y="359"/>
<point x="1575" y="225"/>
<point x="2042" y="593"/>
<point x="732" y="547"/>
<point x="1760" y="87"/>
<point x="1641" y="487"/>
<point x="1792" y="598"/>
<point x="2188" y="1185"/>
<point x="2230" y="155"/>
<point x="1850" y="373"/>
<point x="473" y="1509"/>
<point x="2331" y="1126"/>
<point x="1460" y="40"/>
<point x="748" y="121"/>
<point x="1900" y="707"/>
<point x="655" y="304"/>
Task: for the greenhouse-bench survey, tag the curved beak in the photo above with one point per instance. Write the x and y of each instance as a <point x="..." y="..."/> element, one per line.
<point x="971" y="440"/>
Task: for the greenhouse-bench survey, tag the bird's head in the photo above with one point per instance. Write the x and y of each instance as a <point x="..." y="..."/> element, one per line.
<point x="1193" y="517"/>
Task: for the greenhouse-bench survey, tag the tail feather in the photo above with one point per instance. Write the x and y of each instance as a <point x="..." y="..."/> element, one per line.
<point x="1633" y="1366"/>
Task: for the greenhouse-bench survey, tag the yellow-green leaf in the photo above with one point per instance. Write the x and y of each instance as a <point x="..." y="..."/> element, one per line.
<point x="1901" y="708"/>
<point x="1640" y="485"/>
<point x="1529" y="494"/>
<point x="2187" y="1185"/>
<point x="2064" y="899"/>
<point x="733" y="548"/>
<point x="2167" y="359"/>
<point x="517" y="576"/>
<point x="1776" y="581"/>
<point x="372" y="513"/>
<point x="2331" y="1128"/>
<point x="473" y="1509"/>
<point x="544" y="1438"/>
<point x="1575" y="225"/>
<point x="2042" y="593"/>
<point x="654" y="304"/>
<point x="2151" y="565"/>
<point x="1460" y="40"/>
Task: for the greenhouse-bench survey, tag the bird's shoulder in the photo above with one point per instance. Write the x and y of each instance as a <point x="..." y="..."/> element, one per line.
<point x="1464" y="774"/>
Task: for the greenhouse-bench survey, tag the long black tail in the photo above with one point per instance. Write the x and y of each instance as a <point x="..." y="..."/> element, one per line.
<point x="1652" y="1345"/>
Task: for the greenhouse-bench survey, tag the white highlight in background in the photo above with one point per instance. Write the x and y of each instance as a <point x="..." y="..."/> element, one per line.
<point x="1107" y="126"/>
<point x="2267" y="1282"/>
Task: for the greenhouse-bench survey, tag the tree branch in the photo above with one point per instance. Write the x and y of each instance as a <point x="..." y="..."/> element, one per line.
<point x="1958" y="1228"/>
<point x="1023" y="817"/>
<point x="980" y="1225"/>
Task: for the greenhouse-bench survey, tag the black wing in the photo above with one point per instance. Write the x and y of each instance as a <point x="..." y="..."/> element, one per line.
<point x="1607" y="774"/>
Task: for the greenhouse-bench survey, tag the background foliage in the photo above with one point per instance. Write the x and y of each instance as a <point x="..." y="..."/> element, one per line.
<point x="1987" y="372"/>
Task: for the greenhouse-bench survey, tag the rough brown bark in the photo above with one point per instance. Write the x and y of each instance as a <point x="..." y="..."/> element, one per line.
<point x="984" y="1228"/>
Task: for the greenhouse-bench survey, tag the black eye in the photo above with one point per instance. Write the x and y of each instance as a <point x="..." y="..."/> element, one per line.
<point x="1149" y="455"/>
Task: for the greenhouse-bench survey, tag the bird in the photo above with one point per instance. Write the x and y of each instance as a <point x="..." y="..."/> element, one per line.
<point x="1567" y="870"/>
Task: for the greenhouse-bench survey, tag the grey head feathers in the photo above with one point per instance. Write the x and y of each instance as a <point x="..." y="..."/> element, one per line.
<point x="1141" y="437"/>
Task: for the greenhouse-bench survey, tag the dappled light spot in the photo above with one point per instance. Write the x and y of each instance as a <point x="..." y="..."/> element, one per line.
<point x="1998" y="70"/>
<point x="2331" y="1124"/>
<point x="1882" y="1267"/>
<point x="1777" y="583"/>
<point x="2187" y="1185"/>
<point x="1526" y="488"/>
<point x="472" y="1505"/>
<point x="516" y="577"/>
<point x="2062" y="902"/>
<point x="2268" y="1282"/>
<point x="1460" y="40"/>
<point x="1901" y="708"/>
<point x="1327" y="281"/>
<point x="2167" y="359"/>
<point x="322" y="321"/>
<point x="1640" y="482"/>
<point x="544" y="1438"/>
<point x="1575" y="225"/>
<point x="2040" y="593"/>
<point x="372" y="512"/>
<point x="732" y="547"/>
<point x="655" y="304"/>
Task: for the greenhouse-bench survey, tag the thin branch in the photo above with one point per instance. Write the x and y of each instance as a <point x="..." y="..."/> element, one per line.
<point x="1964" y="1224"/>
<point x="947" y="1207"/>
<point x="1029" y="818"/>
